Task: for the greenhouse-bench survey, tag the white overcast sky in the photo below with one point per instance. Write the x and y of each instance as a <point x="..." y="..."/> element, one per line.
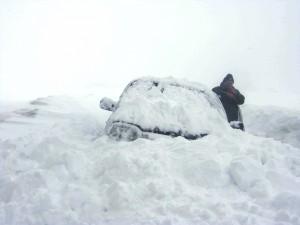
<point x="61" y="46"/>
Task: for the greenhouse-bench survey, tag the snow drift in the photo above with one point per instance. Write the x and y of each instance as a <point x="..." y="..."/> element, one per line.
<point x="276" y="122"/>
<point x="57" y="167"/>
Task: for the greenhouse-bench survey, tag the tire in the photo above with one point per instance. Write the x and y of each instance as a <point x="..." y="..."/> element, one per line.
<point x="123" y="131"/>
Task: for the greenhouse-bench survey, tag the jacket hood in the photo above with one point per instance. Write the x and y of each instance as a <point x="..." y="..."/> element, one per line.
<point x="228" y="77"/>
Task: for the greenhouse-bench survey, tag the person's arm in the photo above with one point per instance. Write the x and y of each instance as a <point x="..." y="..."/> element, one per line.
<point x="239" y="98"/>
<point x="233" y="96"/>
<point x="217" y="90"/>
<point x="223" y="95"/>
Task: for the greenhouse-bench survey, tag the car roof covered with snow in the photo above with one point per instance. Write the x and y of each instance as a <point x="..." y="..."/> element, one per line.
<point x="169" y="106"/>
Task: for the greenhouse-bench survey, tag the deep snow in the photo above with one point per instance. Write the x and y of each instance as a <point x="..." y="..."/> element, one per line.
<point x="57" y="167"/>
<point x="277" y="122"/>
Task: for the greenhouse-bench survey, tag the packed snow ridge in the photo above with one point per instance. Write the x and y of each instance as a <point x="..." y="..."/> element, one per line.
<point x="58" y="167"/>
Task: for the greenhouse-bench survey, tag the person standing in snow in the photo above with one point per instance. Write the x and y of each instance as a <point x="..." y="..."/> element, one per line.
<point x="231" y="98"/>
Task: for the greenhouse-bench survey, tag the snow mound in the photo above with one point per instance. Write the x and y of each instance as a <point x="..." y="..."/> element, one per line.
<point x="276" y="122"/>
<point x="56" y="167"/>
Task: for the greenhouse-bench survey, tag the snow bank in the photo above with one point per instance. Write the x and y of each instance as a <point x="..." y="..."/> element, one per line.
<point x="275" y="122"/>
<point x="56" y="167"/>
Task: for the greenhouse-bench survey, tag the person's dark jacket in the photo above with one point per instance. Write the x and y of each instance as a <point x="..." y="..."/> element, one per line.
<point x="230" y="100"/>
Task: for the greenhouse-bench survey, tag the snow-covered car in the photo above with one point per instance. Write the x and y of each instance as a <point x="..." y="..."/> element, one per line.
<point x="151" y="106"/>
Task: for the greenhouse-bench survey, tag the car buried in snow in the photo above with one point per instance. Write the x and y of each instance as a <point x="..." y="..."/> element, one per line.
<point x="150" y="106"/>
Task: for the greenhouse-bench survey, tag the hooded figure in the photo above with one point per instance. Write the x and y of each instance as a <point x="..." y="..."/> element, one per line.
<point x="231" y="98"/>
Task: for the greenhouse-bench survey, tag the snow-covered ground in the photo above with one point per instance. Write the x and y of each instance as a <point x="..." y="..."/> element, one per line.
<point x="58" y="167"/>
<point x="280" y="123"/>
